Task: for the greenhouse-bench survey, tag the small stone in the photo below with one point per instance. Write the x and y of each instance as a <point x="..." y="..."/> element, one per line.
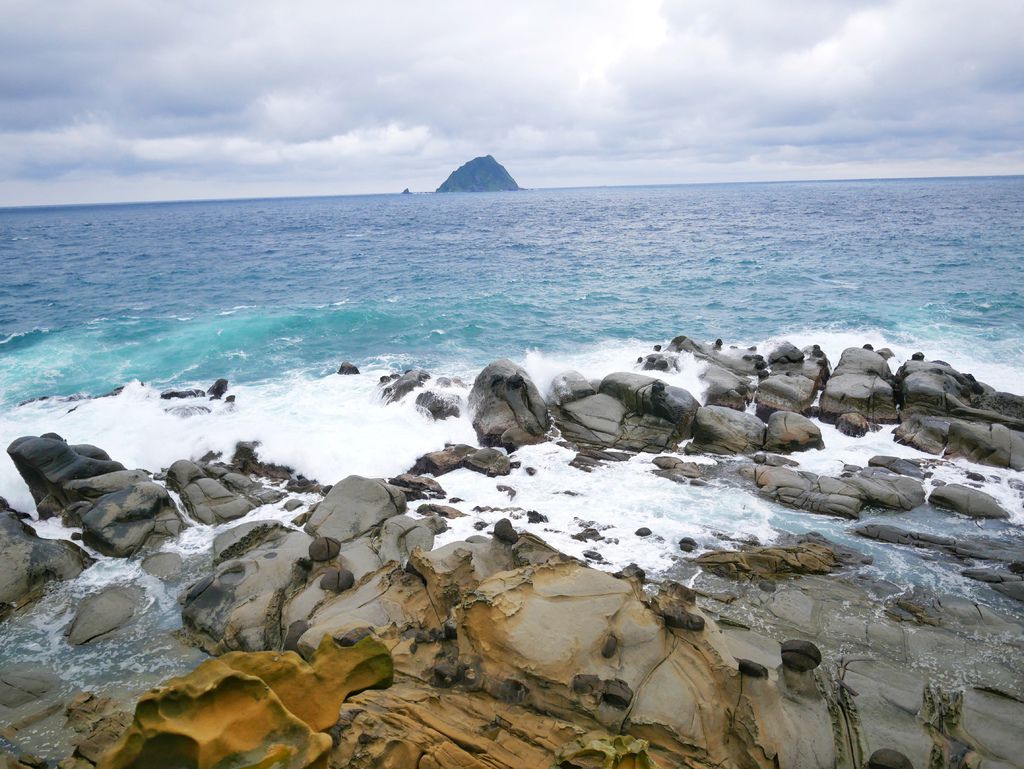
<point x="354" y="636"/>
<point x="585" y="684"/>
<point x="617" y="694"/>
<point x="687" y="544"/>
<point x="589" y="534"/>
<point x="854" y="425"/>
<point x="217" y="389"/>
<point x="975" y="476"/>
<point x="632" y="572"/>
<point x="643" y="531"/>
<point x="324" y="549"/>
<point x="532" y="516"/>
<point x="292" y="505"/>
<point x="887" y="758"/>
<point x="752" y="669"/>
<point x="800" y="655"/>
<point x="917" y="356"/>
<point x="681" y="619"/>
<point x="504" y="532"/>
<point x="347" y="368"/>
<point x="337" y="580"/>
<point x="295" y="631"/>
<point x="608" y="648"/>
<point x="593" y="555"/>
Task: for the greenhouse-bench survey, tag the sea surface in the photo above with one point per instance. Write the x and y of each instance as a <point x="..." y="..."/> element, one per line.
<point x="274" y="294"/>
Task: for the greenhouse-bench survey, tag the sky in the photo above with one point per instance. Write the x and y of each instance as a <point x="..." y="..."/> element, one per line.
<point x="121" y="100"/>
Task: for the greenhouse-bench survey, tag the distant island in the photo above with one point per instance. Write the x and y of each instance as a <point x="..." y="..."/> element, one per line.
<point x="484" y="174"/>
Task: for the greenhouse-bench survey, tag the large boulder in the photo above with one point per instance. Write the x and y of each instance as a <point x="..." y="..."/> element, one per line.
<point x="30" y="563"/>
<point x="967" y="501"/>
<point x="722" y="387"/>
<point x="265" y="709"/>
<point x="721" y="430"/>
<point x="862" y="384"/>
<point x="995" y="445"/>
<point x="353" y="507"/>
<point x="785" y="392"/>
<point x="206" y="499"/>
<point x="90" y="489"/>
<point x="569" y="386"/>
<point x="924" y="433"/>
<point x="632" y="412"/>
<point x="933" y="388"/>
<point x="127" y="521"/>
<point x="238" y="606"/>
<point x="810" y="492"/>
<point x="507" y="407"/>
<point x="48" y="462"/>
<point x="810" y="362"/>
<point x="788" y="431"/>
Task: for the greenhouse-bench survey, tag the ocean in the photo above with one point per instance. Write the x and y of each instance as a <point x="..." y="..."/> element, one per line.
<point x="274" y="294"/>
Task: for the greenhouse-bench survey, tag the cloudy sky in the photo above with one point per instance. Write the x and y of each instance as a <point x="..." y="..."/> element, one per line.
<point x="104" y="100"/>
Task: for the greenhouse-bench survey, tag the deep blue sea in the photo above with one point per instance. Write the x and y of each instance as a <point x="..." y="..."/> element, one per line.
<point x="94" y="296"/>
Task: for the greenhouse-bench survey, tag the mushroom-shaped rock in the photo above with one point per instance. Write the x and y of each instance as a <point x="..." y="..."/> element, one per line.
<point x="507" y="407"/>
<point x="800" y="655"/>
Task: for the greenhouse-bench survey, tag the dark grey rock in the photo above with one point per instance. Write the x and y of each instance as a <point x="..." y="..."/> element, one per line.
<point x="102" y="613"/>
<point x="800" y="655"/>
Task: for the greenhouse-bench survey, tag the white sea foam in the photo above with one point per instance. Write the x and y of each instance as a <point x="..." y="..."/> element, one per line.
<point x="330" y="427"/>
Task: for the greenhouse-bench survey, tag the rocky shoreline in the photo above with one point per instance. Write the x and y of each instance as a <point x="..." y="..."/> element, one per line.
<point x="386" y="623"/>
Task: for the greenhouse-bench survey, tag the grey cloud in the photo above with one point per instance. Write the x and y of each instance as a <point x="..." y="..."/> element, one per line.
<point x="172" y="99"/>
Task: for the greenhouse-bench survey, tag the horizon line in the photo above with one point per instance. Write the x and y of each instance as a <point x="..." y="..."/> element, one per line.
<point x="172" y="201"/>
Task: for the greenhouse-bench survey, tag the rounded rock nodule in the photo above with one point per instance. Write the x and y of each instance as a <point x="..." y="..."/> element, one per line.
<point x="505" y="532"/>
<point x="324" y="549"/>
<point x="887" y="758"/>
<point x="800" y="656"/>
<point x="337" y="580"/>
<point x="751" y="668"/>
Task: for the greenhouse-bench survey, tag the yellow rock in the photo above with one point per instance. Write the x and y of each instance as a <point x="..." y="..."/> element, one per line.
<point x="260" y="710"/>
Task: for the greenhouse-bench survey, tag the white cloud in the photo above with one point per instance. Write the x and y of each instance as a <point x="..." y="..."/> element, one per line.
<point x="172" y="99"/>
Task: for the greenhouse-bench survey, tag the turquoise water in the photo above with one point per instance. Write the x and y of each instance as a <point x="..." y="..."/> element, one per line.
<point x="95" y="296"/>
